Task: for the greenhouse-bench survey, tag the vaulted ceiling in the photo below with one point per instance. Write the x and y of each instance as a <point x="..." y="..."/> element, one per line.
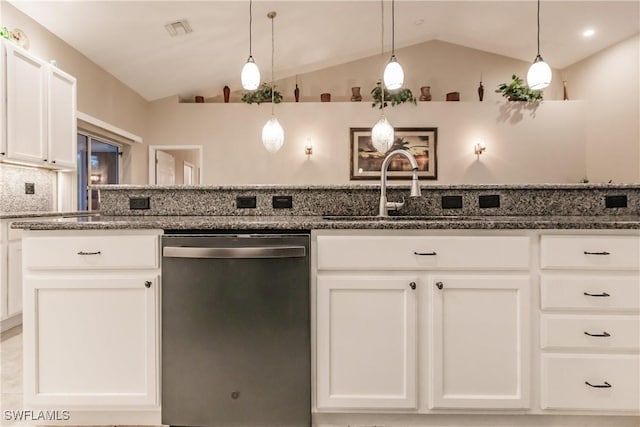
<point x="129" y="40"/>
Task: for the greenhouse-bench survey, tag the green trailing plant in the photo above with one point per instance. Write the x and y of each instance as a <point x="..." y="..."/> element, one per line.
<point x="262" y="94"/>
<point x="396" y="98"/>
<point x="6" y="33"/>
<point x="518" y="91"/>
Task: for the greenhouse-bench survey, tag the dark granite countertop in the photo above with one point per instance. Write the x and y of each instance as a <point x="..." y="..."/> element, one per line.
<point x="98" y="222"/>
<point x="42" y="214"/>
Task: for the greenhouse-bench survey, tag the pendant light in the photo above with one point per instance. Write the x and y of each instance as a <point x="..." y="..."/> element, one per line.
<point x="393" y="73"/>
<point x="272" y="132"/>
<point x="539" y="74"/>
<point x="382" y="133"/>
<point x="250" y="75"/>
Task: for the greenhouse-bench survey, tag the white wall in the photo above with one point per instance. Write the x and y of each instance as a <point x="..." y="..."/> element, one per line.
<point x="609" y="82"/>
<point x="523" y="146"/>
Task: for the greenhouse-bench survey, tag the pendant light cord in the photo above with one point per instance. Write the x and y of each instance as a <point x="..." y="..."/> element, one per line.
<point x="250" y="24"/>
<point x="382" y="53"/>
<point x="538" y="28"/>
<point x="273" y="49"/>
<point x="393" y="27"/>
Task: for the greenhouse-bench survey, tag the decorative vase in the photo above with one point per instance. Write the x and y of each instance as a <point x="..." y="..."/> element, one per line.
<point x="480" y="91"/>
<point x="355" y="94"/>
<point x="296" y="93"/>
<point x="199" y="99"/>
<point x="325" y="97"/>
<point x="453" y="96"/>
<point x="425" y="93"/>
<point x="226" y="92"/>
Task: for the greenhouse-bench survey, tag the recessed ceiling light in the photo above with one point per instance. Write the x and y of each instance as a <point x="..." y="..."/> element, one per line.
<point x="588" y="33"/>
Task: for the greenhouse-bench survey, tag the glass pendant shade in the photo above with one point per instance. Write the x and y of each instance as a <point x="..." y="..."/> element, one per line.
<point x="393" y="74"/>
<point x="382" y="135"/>
<point x="539" y="74"/>
<point x="250" y="75"/>
<point x="272" y="135"/>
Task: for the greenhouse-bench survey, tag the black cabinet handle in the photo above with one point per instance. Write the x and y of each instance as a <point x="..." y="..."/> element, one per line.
<point x="597" y="253"/>
<point x="605" y="385"/>
<point x="604" y="294"/>
<point x="412" y="285"/>
<point x="439" y="285"/>
<point x="53" y="161"/>
<point x="3" y="153"/>
<point x="425" y="253"/>
<point x="147" y="283"/>
<point x="604" y="334"/>
<point x="89" y="253"/>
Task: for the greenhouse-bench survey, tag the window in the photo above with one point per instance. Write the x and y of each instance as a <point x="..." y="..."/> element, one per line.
<point x="98" y="163"/>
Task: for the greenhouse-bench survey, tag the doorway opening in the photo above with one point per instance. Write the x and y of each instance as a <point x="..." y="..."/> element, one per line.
<point x="175" y="164"/>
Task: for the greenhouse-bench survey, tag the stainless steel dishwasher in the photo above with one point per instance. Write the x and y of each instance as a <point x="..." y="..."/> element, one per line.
<point x="236" y="330"/>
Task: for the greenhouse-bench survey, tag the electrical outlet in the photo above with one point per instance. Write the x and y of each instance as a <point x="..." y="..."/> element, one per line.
<point x="245" y="202"/>
<point x="282" y="202"/>
<point x="29" y="188"/>
<point x="489" y="201"/>
<point x="139" y="203"/>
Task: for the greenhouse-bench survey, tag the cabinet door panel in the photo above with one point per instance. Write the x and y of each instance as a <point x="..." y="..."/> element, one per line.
<point x="479" y="348"/>
<point x="62" y="137"/>
<point x="366" y="342"/>
<point x="26" y="107"/>
<point x="14" y="278"/>
<point x="90" y="340"/>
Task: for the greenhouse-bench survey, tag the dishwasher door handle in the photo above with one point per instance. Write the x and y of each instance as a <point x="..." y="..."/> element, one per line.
<point x="241" y="252"/>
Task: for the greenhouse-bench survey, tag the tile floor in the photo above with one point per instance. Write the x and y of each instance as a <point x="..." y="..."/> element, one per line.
<point x="10" y="371"/>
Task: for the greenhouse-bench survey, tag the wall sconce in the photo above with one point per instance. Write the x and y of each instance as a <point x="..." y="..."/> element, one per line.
<point x="308" y="147"/>
<point x="479" y="147"/>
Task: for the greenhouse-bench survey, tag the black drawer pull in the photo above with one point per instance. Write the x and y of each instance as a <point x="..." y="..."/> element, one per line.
<point x="439" y="285"/>
<point x="604" y="294"/>
<point x="604" y="334"/>
<point x="89" y="253"/>
<point x="605" y="385"/>
<point x="597" y="253"/>
<point x="412" y="285"/>
<point x="425" y="253"/>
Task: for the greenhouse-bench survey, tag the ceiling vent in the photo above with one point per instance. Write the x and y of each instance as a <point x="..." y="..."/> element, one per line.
<point x="178" y="28"/>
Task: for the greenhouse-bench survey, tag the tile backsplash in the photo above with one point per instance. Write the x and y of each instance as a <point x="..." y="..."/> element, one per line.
<point x="12" y="189"/>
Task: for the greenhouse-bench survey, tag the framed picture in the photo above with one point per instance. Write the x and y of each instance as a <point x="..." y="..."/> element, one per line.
<point x="366" y="161"/>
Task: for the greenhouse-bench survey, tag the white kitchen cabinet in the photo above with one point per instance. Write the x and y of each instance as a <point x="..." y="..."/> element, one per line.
<point x="479" y="341"/>
<point x="40" y="112"/>
<point x="589" y="323"/>
<point x="367" y="341"/>
<point x="61" y="123"/>
<point x="10" y="276"/>
<point x="90" y="328"/>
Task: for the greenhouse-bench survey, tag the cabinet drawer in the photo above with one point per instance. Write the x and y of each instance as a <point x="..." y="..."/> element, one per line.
<point x="590" y="332"/>
<point x="423" y="252"/>
<point x="600" y="293"/>
<point x="86" y="252"/>
<point x="565" y="378"/>
<point x="590" y="252"/>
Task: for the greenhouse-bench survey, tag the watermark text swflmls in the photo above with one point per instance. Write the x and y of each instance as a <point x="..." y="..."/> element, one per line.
<point x="29" y="415"/>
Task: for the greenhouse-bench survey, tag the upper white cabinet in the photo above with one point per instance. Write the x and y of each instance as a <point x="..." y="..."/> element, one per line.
<point x="40" y="112"/>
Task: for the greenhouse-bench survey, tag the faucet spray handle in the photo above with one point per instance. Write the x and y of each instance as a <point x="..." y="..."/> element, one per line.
<point x="415" y="185"/>
<point x="395" y="206"/>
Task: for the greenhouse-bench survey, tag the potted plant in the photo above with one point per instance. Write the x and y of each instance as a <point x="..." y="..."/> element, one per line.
<point x="518" y="91"/>
<point x="396" y="98"/>
<point x="262" y="94"/>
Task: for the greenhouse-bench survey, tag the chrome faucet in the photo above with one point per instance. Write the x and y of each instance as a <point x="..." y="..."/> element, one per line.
<point x="385" y="206"/>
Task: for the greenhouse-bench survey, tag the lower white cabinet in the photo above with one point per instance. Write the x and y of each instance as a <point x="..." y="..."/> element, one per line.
<point x="91" y="334"/>
<point x="93" y="340"/>
<point x="591" y="382"/>
<point x="366" y="341"/>
<point x="10" y="275"/>
<point x="479" y="341"/>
